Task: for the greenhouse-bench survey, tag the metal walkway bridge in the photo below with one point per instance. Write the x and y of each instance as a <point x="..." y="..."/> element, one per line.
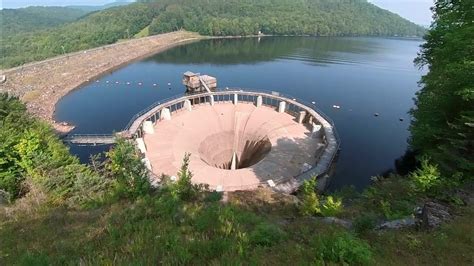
<point x="90" y="139"/>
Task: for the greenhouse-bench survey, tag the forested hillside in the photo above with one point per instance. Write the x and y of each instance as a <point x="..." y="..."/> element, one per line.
<point x="30" y="19"/>
<point x="208" y="17"/>
<point x="100" y="28"/>
<point x="298" y="17"/>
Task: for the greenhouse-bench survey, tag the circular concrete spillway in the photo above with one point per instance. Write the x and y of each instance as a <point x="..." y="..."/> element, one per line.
<point x="233" y="146"/>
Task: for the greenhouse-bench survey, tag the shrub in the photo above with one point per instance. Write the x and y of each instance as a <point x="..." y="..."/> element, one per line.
<point x="30" y="148"/>
<point x="266" y="234"/>
<point x="309" y="204"/>
<point x="207" y="220"/>
<point x="213" y="196"/>
<point x="331" y="207"/>
<point x="126" y="167"/>
<point x="364" y="223"/>
<point x="392" y="197"/>
<point x="342" y="247"/>
<point x="184" y="189"/>
<point x="12" y="115"/>
<point x="426" y="177"/>
<point x="184" y="186"/>
<point x="396" y="209"/>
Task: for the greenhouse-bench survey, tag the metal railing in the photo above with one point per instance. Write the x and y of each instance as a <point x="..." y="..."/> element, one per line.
<point x="89" y="138"/>
<point x="233" y="91"/>
<point x="149" y="108"/>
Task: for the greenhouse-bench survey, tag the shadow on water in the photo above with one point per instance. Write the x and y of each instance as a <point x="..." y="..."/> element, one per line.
<point x="403" y="165"/>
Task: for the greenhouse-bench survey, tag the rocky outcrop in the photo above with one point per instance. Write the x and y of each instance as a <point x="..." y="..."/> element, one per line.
<point x="397" y="224"/>
<point x="333" y="220"/>
<point x="430" y="216"/>
<point x="4" y="196"/>
<point x="433" y="215"/>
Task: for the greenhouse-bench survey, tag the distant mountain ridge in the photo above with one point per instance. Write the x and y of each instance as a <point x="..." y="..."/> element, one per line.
<point x="281" y="17"/>
<point x="33" y="18"/>
<point x="88" y="8"/>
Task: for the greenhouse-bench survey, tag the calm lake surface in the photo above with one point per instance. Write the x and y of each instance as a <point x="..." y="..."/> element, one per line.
<point x="362" y="75"/>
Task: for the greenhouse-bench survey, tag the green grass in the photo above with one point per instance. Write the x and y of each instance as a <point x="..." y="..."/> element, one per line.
<point x="156" y="229"/>
<point x="389" y="199"/>
<point x="162" y="229"/>
<point x="452" y="244"/>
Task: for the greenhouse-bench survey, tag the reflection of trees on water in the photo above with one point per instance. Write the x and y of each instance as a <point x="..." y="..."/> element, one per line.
<point x="256" y="50"/>
<point x="404" y="165"/>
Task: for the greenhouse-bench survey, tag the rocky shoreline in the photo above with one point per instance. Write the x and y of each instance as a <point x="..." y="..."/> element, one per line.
<point x="42" y="84"/>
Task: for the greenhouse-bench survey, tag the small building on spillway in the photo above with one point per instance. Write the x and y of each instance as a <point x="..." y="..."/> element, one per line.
<point x="197" y="83"/>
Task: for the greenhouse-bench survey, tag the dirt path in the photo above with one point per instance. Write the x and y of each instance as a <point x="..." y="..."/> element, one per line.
<point x="42" y="84"/>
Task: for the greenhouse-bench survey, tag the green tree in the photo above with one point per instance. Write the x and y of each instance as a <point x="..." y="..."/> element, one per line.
<point x="12" y="112"/>
<point x="443" y="125"/>
<point x="31" y="153"/>
<point x="125" y="165"/>
<point x="309" y="17"/>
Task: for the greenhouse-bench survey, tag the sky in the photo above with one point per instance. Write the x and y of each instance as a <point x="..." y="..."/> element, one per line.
<point x="25" y="3"/>
<point x="413" y="10"/>
<point x="417" y="11"/>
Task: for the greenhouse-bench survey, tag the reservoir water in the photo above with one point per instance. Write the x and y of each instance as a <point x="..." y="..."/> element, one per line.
<point x="363" y="76"/>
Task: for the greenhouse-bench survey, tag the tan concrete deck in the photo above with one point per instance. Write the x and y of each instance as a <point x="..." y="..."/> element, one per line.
<point x="193" y="131"/>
